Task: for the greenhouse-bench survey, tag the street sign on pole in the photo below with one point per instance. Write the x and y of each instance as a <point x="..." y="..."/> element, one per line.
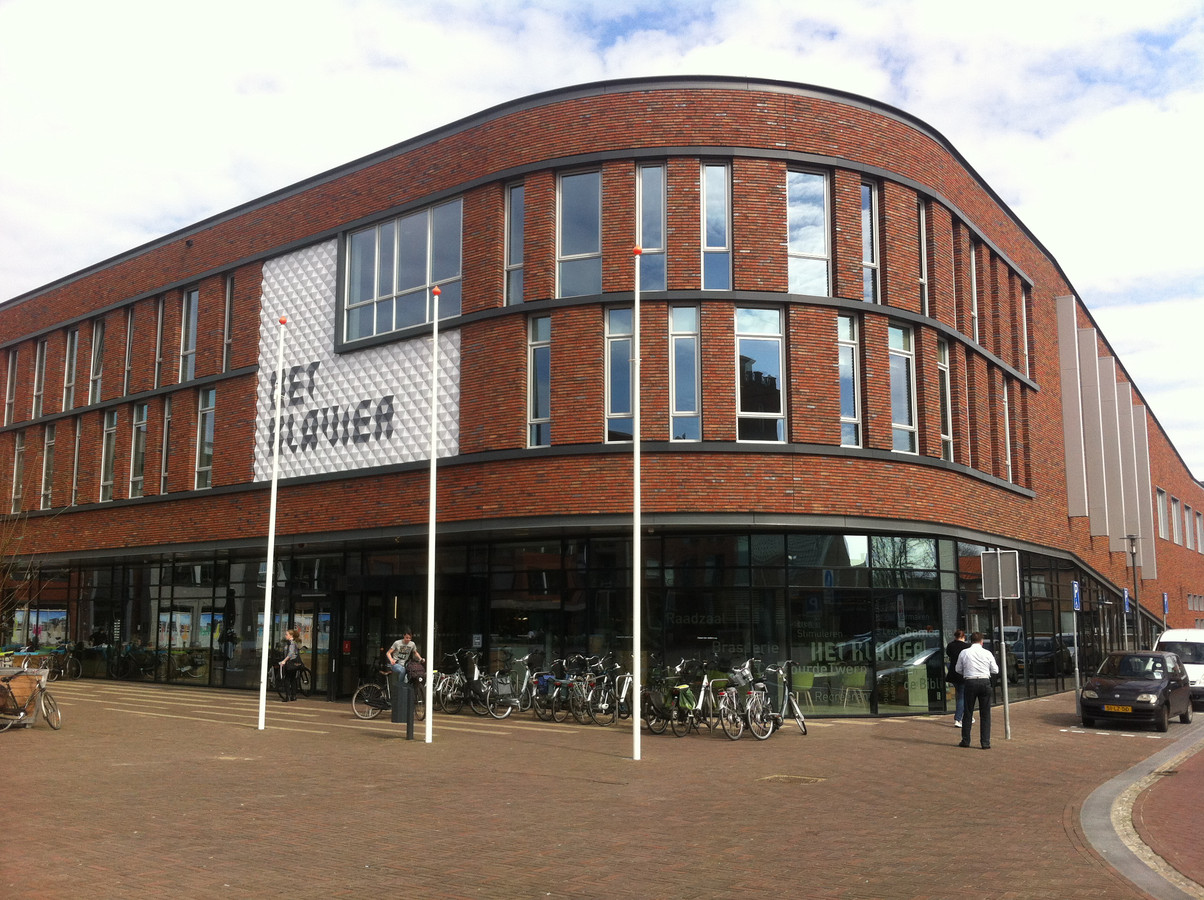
<point x="1001" y="581"/>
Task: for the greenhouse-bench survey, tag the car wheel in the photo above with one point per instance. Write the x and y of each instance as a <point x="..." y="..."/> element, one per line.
<point x="1185" y="718"/>
<point x="1088" y="722"/>
<point x="1162" y="721"/>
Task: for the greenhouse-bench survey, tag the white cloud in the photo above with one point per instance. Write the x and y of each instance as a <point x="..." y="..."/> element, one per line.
<point x="144" y="116"/>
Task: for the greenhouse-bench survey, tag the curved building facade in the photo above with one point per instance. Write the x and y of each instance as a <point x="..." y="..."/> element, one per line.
<point x="858" y="372"/>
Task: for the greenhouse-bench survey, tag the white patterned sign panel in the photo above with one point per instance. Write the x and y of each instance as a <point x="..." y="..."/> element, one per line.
<point x="346" y="411"/>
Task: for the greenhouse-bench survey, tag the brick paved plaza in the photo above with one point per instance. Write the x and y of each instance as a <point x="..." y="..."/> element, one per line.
<point x="149" y="791"/>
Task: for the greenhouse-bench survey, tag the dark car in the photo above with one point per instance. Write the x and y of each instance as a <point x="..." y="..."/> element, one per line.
<point x="1147" y="686"/>
<point x="1043" y="656"/>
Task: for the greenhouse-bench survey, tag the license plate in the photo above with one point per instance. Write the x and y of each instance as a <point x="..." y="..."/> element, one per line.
<point x="1124" y="709"/>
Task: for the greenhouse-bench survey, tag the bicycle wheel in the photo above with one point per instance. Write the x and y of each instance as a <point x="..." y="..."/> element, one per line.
<point x="526" y="699"/>
<point x="369" y="701"/>
<point x="453" y="697"/>
<point x="419" y="702"/>
<point x="478" y="696"/>
<point x="604" y="705"/>
<point x="304" y="685"/>
<point x="50" y="711"/>
<point x="731" y="721"/>
<point x="679" y="721"/>
<point x="560" y="704"/>
<point x="760" y="720"/>
<point x="656" y="722"/>
<point x="579" y="705"/>
<point x="499" y="707"/>
<point x="542" y="704"/>
<point x="54" y="668"/>
<point x="74" y="668"/>
<point x="797" y="713"/>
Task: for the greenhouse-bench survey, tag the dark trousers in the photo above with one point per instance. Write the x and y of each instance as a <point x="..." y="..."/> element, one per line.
<point x="977" y="690"/>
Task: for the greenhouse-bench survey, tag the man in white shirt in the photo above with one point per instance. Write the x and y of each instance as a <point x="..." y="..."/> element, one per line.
<point x="977" y="665"/>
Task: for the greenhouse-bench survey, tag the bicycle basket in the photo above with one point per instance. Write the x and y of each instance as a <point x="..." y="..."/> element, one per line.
<point x="503" y="685"/>
<point x="738" y="678"/>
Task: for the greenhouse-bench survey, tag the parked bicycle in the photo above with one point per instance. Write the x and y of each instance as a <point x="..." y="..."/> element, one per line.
<point x="376" y="696"/>
<point x="62" y="662"/>
<point x="789" y="708"/>
<point x="276" y="681"/>
<point x="23" y="697"/>
<point x="134" y="661"/>
<point x="748" y="697"/>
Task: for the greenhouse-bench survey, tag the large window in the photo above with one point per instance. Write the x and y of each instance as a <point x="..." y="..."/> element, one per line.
<point x="942" y="365"/>
<point x="579" y="236"/>
<point x="902" y="390"/>
<point x="759" y="368"/>
<point x="206" y="411"/>
<point x="189" y="313"/>
<point x="850" y="381"/>
<point x="79" y="433"/>
<point x="392" y="267"/>
<point x="1163" y="516"/>
<point x="539" y="375"/>
<point x="1024" y="329"/>
<point x="619" y="342"/>
<point x="18" y="472"/>
<point x="96" y="378"/>
<point x="652" y="228"/>
<point x="685" y="374"/>
<point x="70" y="353"/>
<point x="515" y="213"/>
<point x="159" y="314"/>
<point x="39" y="379"/>
<point x="716" y="229"/>
<point x="48" y="467"/>
<point x="108" y="450"/>
<point x="807" y="233"/>
<point x="869" y="242"/>
<point x="138" y="450"/>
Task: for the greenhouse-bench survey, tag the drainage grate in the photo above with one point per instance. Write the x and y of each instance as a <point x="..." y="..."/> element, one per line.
<point x="794" y="779"/>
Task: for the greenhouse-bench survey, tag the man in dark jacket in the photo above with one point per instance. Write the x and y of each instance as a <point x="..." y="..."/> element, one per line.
<point x="953" y="650"/>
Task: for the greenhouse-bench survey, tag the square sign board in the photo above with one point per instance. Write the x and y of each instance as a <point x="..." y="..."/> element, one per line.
<point x="1001" y="575"/>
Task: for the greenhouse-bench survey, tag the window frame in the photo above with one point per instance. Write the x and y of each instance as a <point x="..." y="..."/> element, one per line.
<point x="619" y="337"/>
<point x="138" y="433"/>
<point x="1005" y="404"/>
<point x="160" y="313"/>
<point x="680" y="335"/>
<point x="128" y="362"/>
<point x="39" y="380"/>
<point x="165" y="447"/>
<point x="974" y="291"/>
<point x="848" y="346"/>
<point x="108" y="454"/>
<point x="515" y="228"/>
<point x="590" y="260"/>
<point x="18" y="492"/>
<point x="228" y="324"/>
<point x="922" y="251"/>
<point x="97" y="368"/>
<point x="945" y="388"/>
<point x="903" y="429"/>
<point x="190" y="313"/>
<point x="10" y="387"/>
<point x="797" y="257"/>
<point x="718" y="251"/>
<point x="1176" y="521"/>
<point x="206" y="428"/>
<point x="871" y="247"/>
<point x="539" y="391"/>
<point x="1163" y="514"/>
<point x="79" y="431"/>
<point x="749" y="418"/>
<point x="49" y="436"/>
<point x="436" y="250"/>
<point x="70" y="360"/>
<point x="653" y="248"/>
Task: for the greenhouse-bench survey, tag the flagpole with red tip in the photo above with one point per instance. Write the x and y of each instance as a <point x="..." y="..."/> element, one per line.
<point x="430" y="544"/>
<point x="636" y="562"/>
<point x="270" y="575"/>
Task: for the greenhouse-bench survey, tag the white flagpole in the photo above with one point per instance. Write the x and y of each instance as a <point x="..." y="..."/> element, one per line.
<point x="636" y="563"/>
<point x="270" y="578"/>
<point x="430" y="540"/>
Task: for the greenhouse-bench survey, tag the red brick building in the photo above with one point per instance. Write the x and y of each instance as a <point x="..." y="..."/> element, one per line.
<point x="859" y="370"/>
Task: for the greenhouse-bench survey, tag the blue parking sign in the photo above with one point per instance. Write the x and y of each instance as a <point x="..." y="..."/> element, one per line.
<point x="1078" y="599"/>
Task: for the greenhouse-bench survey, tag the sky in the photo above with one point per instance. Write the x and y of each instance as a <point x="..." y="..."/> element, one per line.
<point x="124" y="120"/>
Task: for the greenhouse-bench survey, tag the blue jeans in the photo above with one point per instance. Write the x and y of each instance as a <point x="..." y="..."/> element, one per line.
<point x="977" y="690"/>
<point x="959" y="703"/>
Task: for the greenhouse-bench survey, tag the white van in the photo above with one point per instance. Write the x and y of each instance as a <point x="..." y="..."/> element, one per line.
<point x="1188" y="644"/>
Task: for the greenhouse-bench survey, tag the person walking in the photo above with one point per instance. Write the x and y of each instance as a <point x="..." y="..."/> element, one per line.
<point x="290" y="665"/>
<point x="976" y="665"/>
<point x="953" y="650"/>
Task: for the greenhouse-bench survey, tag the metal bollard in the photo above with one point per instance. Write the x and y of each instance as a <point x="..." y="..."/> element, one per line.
<point x="403" y="704"/>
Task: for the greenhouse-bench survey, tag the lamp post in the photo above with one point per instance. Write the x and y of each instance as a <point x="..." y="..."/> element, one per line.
<point x="1132" y="539"/>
